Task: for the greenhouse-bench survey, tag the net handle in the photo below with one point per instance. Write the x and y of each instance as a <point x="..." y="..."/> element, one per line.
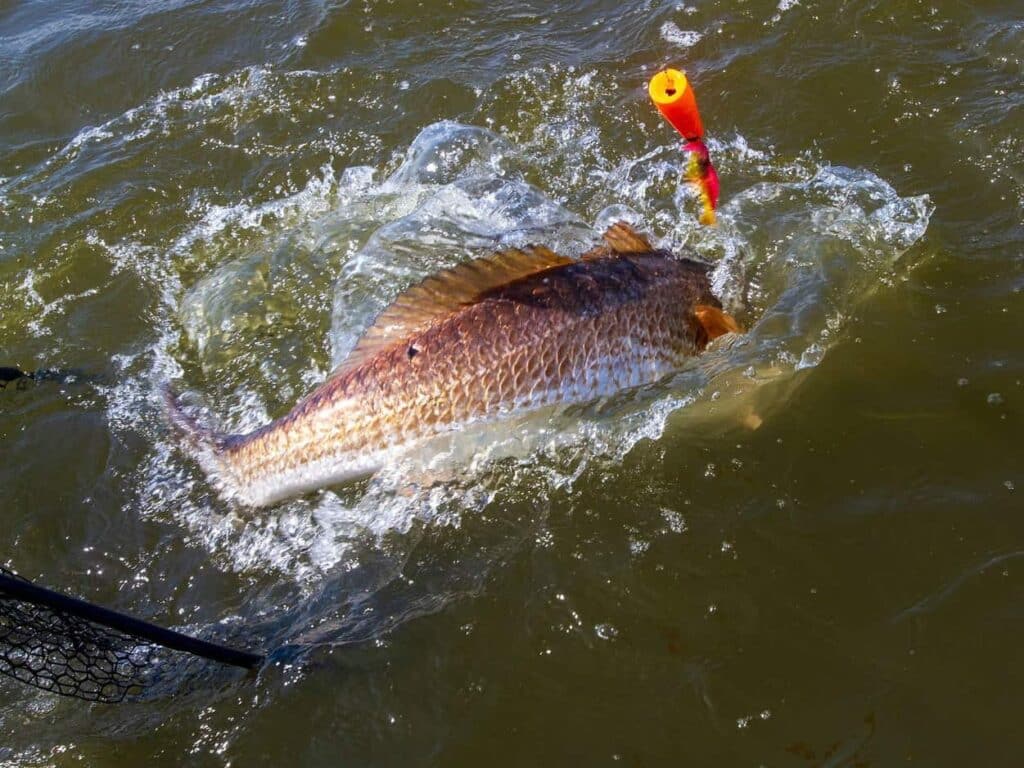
<point x="30" y="593"/>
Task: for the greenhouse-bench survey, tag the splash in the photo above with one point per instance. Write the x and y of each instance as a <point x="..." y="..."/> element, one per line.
<point x="795" y="254"/>
<point x="256" y="298"/>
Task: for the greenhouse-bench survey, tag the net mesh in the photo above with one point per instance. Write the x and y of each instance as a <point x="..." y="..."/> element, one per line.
<point x="65" y="654"/>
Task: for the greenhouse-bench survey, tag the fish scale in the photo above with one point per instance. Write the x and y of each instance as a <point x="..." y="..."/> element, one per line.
<point x="496" y="337"/>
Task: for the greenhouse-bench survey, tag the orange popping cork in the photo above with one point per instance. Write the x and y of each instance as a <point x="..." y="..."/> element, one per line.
<point x="674" y="98"/>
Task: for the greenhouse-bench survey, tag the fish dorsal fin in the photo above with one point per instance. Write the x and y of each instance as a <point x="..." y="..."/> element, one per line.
<point x="622" y="238"/>
<point x="444" y="292"/>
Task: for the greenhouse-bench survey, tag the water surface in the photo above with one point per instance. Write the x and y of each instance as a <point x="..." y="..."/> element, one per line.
<point x="805" y="549"/>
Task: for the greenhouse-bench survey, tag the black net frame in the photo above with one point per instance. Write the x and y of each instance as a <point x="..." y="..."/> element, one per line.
<point x="67" y="646"/>
<point x="65" y="654"/>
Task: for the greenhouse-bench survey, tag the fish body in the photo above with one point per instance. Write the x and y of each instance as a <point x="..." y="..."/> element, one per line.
<point x="514" y="332"/>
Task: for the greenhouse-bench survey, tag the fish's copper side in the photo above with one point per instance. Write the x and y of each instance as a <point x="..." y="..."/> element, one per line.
<point x="563" y="334"/>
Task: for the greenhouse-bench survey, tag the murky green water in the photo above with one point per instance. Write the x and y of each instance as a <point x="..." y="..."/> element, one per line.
<point x="223" y="194"/>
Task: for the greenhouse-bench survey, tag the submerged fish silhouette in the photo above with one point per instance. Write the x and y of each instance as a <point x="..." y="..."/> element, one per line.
<point x="515" y="331"/>
<point x="14" y="377"/>
<point x="19" y="379"/>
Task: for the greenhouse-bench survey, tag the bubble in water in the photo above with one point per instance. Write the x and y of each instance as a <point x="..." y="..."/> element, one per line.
<point x="676" y="522"/>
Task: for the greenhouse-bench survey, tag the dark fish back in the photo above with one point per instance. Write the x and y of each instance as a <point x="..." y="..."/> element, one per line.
<point x="592" y="286"/>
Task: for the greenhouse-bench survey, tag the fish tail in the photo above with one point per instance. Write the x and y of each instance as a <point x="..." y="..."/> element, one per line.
<point x="212" y="450"/>
<point x="200" y="437"/>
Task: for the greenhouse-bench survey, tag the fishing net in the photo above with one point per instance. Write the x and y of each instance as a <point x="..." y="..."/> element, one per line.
<point x="68" y="646"/>
<point x="56" y="651"/>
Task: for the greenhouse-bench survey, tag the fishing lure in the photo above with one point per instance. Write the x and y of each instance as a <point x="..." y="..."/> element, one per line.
<point x="672" y="95"/>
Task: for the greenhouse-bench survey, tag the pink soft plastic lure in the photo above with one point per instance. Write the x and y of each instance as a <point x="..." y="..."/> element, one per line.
<point x="701" y="173"/>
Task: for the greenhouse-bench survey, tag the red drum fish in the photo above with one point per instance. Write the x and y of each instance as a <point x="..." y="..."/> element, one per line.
<point x="515" y="331"/>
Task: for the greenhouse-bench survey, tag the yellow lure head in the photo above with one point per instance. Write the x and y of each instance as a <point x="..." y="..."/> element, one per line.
<point x="674" y="98"/>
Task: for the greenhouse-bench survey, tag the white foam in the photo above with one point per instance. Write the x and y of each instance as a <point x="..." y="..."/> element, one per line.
<point x="781" y="9"/>
<point x="681" y="38"/>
